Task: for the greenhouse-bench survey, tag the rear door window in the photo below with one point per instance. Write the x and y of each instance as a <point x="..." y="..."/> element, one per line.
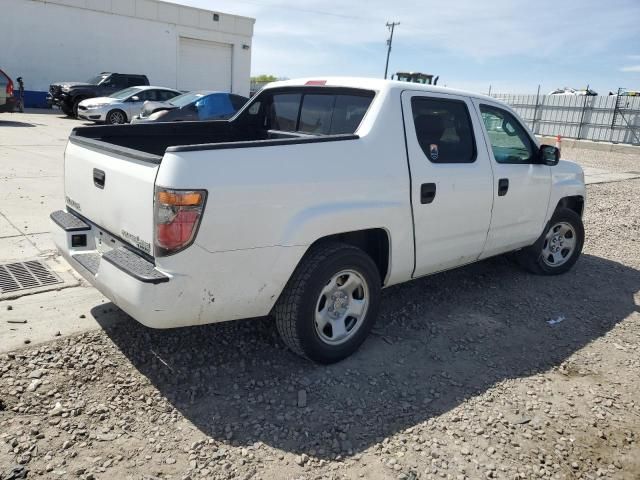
<point x="444" y="130"/>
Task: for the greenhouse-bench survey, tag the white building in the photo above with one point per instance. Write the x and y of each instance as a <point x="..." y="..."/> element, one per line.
<point x="46" y="41"/>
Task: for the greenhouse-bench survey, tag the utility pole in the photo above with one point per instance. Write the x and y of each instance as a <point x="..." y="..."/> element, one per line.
<point x="390" y="26"/>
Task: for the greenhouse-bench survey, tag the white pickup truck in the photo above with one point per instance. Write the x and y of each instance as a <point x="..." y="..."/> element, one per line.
<point x="316" y="195"/>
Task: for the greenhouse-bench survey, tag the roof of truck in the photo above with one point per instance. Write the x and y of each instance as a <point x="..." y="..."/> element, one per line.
<point x="372" y="84"/>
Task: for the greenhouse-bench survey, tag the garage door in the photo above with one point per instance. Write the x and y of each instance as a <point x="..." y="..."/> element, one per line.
<point x="204" y="65"/>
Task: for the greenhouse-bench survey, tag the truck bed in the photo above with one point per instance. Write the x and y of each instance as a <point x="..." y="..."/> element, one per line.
<point x="154" y="139"/>
<point x="150" y="142"/>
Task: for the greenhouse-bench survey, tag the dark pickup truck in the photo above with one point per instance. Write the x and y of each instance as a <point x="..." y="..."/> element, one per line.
<point x="67" y="95"/>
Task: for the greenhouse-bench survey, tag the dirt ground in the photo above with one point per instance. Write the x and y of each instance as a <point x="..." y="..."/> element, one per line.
<point x="463" y="378"/>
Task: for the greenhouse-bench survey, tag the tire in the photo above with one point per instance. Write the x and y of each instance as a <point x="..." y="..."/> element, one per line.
<point x="76" y="102"/>
<point x="320" y="288"/>
<point x="541" y="259"/>
<point x="66" y="110"/>
<point x="116" y="117"/>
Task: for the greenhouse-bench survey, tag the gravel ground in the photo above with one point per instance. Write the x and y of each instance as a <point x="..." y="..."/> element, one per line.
<point x="463" y="378"/>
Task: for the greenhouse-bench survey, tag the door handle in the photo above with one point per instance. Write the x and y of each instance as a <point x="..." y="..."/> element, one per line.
<point x="427" y="192"/>
<point x="98" y="178"/>
<point x="503" y="187"/>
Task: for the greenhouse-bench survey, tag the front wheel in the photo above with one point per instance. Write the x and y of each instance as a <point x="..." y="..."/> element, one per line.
<point x="76" y="102"/>
<point x="116" y="117"/>
<point x="330" y="303"/>
<point x="66" y="110"/>
<point x="558" y="248"/>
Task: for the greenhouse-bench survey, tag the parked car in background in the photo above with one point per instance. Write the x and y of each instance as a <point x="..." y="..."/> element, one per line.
<point x="68" y="95"/>
<point x="316" y="195"/>
<point x="192" y="106"/>
<point x="7" y="98"/>
<point x="122" y="106"/>
<point x="623" y="92"/>
<point x="572" y="91"/>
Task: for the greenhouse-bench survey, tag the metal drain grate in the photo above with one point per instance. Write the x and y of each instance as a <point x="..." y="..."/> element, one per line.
<point x="23" y="275"/>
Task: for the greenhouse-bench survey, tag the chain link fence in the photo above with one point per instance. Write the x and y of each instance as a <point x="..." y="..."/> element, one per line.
<point x="613" y="118"/>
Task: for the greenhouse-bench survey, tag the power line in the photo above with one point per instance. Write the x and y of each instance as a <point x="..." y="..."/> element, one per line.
<point x="391" y="26"/>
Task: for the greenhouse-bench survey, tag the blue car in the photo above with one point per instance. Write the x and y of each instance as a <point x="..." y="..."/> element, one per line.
<point x="192" y="106"/>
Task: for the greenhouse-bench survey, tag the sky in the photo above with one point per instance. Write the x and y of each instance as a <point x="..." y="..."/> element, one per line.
<point x="511" y="46"/>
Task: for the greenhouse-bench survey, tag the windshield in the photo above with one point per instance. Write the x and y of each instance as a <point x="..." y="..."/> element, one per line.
<point x="185" y="99"/>
<point x="127" y="92"/>
<point x="97" y="79"/>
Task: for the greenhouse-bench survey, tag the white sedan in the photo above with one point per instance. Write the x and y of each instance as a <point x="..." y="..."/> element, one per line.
<point x="122" y="106"/>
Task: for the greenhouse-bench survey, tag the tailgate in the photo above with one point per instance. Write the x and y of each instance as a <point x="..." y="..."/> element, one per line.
<point x="113" y="190"/>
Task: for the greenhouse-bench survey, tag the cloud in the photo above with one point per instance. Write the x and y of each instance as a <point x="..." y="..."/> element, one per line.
<point x="332" y="37"/>
<point x="631" y="68"/>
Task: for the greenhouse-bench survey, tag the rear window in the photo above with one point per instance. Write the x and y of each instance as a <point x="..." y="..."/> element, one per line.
<point x="284" y="111"/>
<point x="319" y="113"/>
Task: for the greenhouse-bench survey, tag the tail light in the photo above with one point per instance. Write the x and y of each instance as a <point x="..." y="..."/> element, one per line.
<point x="9" y="88"/>
<point x="177" y="215"/>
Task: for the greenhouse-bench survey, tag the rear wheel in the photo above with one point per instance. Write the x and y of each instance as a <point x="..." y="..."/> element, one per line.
<point x="330" y="303"/>
<point x="558" y="248"/>
<point x="116" y="117"/>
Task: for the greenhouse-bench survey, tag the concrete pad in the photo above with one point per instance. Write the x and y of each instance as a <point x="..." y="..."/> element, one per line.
<point x="44" y="243"/>
<point x="17" y="248"/>
<point x="598" y="175"/>
<point x="51" y="314"/>
<point x="21" y="247"/>
<point x="42" y="161"/>
<point x="6" y="229"/>
<point x="34" y="128"/>
<point x="27" y="202"/>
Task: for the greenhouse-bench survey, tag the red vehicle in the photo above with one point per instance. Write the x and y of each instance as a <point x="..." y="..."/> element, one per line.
<point x="7" y="98"/>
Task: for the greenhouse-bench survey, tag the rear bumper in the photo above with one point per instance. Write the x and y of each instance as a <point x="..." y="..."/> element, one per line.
<point x="127" y="279"/>
<point x="193" y="287"/>
<point x="10" y="105"/>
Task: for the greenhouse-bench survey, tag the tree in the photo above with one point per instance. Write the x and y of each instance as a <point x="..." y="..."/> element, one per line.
<point x="264" y="78"/>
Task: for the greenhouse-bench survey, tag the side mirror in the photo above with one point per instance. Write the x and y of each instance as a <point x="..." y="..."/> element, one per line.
<point x="549" y="155"/>
<point x="135" y="98"/>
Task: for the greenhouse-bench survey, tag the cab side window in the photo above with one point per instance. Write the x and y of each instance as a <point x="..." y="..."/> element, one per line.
<point x="509" y="140"/>
<point x="444" y="130"/>
<point x="284" y="112"/>
<point x="321" y="113"/>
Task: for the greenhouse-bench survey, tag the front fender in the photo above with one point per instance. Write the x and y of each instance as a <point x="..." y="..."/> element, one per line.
<point x="567" y="180"/>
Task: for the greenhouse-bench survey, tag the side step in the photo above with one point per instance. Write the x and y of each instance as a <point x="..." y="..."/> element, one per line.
<point x="90" y="261"/>
<point x="68" y="222"/>
<point x="125" y="260"/>
<point x="134" y="265"/>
